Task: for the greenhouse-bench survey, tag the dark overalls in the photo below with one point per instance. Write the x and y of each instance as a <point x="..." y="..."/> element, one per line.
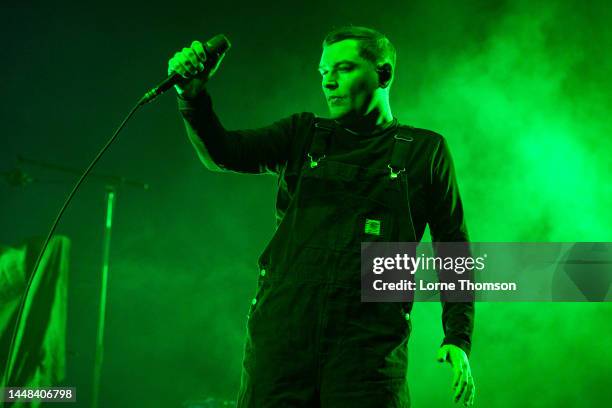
<point x="310" y="340"/>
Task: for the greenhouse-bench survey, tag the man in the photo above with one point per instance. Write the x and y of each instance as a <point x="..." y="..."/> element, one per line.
<point x="358" y="176"/>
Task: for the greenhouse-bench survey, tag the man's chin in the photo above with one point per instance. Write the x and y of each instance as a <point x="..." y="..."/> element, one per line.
<point x="339" y="114"/>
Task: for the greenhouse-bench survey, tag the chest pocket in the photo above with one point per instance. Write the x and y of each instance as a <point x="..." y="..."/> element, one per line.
<point x="341" y="205"/>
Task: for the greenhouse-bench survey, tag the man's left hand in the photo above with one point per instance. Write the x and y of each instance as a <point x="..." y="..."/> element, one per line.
<point x="463" y="382"/>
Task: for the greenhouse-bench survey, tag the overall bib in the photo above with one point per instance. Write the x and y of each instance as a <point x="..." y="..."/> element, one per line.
<point x="310" y="340"/>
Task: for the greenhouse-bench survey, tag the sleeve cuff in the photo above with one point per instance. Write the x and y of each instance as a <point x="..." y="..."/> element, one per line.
<point x="201" y="101"/>
<point x="459" y="342"/>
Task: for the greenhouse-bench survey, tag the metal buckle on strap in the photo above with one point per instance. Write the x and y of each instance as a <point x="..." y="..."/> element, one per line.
<point x="398" y="156"/>
<point x="314" y="163"/>
<point x="393" y="174"/>
<point x="406" y="139"/>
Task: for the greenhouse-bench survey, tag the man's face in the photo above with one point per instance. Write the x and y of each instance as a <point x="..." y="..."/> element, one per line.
<point x="348" y="80"/>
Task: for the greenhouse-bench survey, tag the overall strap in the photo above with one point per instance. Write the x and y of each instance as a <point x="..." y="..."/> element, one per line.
<point x="323" y="130"/>
<point x="399" y="160"/>
<point x="399" y="156"/>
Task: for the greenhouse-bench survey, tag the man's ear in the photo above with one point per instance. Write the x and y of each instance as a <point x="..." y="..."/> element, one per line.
<point x="385" y="73"/>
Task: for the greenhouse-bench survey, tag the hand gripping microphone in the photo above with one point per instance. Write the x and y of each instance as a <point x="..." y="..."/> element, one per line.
<point x="214" y="49"/>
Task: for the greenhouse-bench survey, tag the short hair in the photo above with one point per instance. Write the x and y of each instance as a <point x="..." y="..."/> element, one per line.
<point x="374" y="46"/>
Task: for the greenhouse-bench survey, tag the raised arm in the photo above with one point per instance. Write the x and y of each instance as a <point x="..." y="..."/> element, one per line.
<point x="262" y="150"/>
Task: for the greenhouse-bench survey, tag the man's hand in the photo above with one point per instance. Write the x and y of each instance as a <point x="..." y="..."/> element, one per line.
<point x="463" y="382"/>
<point x="190" y="64"/>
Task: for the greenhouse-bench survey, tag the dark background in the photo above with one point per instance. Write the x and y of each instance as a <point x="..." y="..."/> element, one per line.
<point x="519" y="90"/>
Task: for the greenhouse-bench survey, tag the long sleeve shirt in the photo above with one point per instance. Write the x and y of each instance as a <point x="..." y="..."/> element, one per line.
<point x="280" y="148"/>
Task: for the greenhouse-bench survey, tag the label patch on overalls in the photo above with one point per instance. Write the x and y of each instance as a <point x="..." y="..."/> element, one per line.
<point x="372" y="227"/>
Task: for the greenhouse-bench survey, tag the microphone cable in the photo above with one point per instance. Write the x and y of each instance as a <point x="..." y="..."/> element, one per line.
<point x="148" y="97"/>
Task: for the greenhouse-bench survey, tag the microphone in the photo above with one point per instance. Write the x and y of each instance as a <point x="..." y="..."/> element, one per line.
<point x="214" y="49"/>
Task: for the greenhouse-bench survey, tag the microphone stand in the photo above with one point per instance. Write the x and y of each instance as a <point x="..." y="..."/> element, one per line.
<point x="112" y="184"/>
<point x="110" y="202"/>
<point x="116" y="180"/>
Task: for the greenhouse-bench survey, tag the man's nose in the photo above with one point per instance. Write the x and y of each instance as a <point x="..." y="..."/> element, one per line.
<point x="330" y="83"/>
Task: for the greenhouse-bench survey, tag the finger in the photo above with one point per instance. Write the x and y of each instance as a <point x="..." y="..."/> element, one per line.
<point x="198" y="48"/>
<point x="457" y="373"/>
<point x="460" y="391"/>
<point x="183" y="69"/>
<point x="456" y="376"/>
<point x="171" y="67"/>
<point x="469" y="390"/>
<point x="186" y="66"/>
<point x="469" y="394"/>
<point x="189" y="60"/>
<point x="472" y="397"/>
<point x="182" y="59"/>
<point x="460" y="385"/>
<point x="193" y="59"/>
<point x="175" y="65"/>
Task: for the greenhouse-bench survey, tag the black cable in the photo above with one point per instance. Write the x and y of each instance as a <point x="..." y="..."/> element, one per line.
<point x="6" y="373"/>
